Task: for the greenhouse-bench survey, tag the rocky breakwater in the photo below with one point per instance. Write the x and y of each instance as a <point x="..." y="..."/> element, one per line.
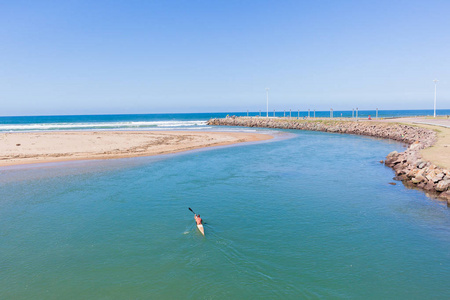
<point x="409" y="166"/>
<point x="415" y="172"/>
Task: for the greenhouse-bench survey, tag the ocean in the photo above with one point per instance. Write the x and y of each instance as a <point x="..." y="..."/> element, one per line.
<point x="305" y="215"/>
<point x="192" y="121"/>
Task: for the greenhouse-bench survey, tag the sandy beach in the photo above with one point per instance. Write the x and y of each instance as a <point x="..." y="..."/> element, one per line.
<point x="43" y="147"/>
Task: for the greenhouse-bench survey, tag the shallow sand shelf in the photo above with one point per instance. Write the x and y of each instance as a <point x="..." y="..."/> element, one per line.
<point x="40" y="147"/>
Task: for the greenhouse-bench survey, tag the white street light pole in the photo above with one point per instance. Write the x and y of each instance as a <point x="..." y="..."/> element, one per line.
<point x="267" y="92"/>
<point x="435" y="83"/>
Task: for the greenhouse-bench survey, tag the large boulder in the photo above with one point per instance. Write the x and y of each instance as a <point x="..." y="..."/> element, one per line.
<point x="445" y="196"/>
<point x="422" y="165"/>
<point x="431" y="174"/>
<point x="415" y="146"/>
<point x="442" y="186"/>
<point x="418" y="179"/>
<point x="400" y="168"/>
<point x="390" y="158"/>
<point x="438" y="177"/>
<point x="414" y="173"/>
<point x="430" y="186"/>
<point x="400" y="177"/>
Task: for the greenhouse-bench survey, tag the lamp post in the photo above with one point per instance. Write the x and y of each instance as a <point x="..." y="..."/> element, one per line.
<point x="267" y="92"/>
<point x="435" y="83"/>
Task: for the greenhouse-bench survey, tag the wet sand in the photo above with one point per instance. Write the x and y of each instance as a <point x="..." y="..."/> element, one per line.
<point x="42" y="147"/>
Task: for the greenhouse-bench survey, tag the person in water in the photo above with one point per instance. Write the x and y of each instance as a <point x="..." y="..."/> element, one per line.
<point x="198" y="220"/>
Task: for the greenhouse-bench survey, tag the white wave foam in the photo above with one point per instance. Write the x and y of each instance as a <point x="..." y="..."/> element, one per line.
<point x="105" y="125"/>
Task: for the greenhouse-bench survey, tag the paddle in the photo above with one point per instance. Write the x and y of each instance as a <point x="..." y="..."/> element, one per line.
<point x="193" y="212"/>
<point x="200" y="226"/>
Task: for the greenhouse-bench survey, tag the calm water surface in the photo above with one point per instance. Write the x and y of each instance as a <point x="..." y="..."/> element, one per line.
<point x="312" y="216"/>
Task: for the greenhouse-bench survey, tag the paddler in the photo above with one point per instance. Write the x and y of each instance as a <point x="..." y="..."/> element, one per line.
<point x="198" y="219"/>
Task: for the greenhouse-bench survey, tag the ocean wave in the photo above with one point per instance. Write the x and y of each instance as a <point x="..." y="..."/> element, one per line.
<point x="100" y="125"/>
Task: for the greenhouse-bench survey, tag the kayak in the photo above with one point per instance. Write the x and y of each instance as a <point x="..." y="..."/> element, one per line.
<point x="200" y="226"/>
<point x="202" y="230"/>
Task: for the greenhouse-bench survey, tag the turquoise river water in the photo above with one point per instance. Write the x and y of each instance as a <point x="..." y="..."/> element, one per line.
<point x="310" y="215"/>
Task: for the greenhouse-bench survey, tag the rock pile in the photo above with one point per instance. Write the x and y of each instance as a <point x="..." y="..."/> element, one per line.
<point x="414" y="171"/>
<point x="408" y="165"/>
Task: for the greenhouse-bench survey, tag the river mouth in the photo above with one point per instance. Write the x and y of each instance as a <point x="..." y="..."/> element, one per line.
<point x="296" y="218"/>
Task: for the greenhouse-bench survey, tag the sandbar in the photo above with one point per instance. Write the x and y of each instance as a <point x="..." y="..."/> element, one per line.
<point x="19" y="148"/>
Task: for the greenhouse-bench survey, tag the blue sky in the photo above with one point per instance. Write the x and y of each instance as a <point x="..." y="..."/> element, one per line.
<point x="88" y="57"/>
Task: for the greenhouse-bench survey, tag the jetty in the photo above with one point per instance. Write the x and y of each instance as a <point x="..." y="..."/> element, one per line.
<point x="416" y="167"/>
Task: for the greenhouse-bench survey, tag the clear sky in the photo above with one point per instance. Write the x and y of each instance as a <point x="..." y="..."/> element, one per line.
<point x="88" y="57"/>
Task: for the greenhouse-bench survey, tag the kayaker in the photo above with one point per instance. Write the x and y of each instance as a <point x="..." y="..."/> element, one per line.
<point x="198" y="220"/>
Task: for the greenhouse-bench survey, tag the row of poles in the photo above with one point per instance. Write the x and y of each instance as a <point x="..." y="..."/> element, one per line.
<point x="354" y="113"/>
<point x="331" y="110"/>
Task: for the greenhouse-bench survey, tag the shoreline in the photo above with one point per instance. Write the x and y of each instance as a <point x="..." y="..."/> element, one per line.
<point x="424" y="165"/>
<point x="22" y="148"/>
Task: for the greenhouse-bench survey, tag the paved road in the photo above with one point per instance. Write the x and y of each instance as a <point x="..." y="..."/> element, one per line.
<point x="422" y="120"/>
